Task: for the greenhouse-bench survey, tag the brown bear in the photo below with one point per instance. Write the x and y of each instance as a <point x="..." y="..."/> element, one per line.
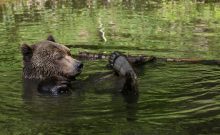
<point x="51" y="65"/>
<point x="48" y="59"/>
<point x="50" y="68"/>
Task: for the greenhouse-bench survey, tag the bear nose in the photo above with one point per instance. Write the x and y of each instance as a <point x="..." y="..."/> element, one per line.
<point x="80" y="65"/>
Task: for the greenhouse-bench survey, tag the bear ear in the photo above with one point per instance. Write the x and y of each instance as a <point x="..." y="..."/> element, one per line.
<point x="51" y="38"/>
<point x="27" y="52"/>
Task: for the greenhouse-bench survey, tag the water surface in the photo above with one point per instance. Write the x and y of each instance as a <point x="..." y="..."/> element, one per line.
<point x="174" y="98"/>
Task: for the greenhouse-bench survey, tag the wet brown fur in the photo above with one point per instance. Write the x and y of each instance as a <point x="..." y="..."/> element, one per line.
<point x="41" y="60"/>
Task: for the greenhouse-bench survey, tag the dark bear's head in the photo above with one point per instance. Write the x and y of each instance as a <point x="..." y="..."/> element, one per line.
<point x="48" y="59"/>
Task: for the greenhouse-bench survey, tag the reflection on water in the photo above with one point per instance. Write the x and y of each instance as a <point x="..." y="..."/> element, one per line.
<point x="174" y="98"/>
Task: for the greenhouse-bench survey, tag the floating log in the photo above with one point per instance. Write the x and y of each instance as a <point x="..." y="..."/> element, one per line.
<point x="141" y="59"/>
<point x="136" y="60"/>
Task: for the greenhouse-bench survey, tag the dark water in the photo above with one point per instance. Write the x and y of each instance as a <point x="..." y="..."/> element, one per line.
<point x="174" y="98"/>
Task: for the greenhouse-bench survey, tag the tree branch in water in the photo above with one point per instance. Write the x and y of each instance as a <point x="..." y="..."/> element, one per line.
<point x="141" y="59"/>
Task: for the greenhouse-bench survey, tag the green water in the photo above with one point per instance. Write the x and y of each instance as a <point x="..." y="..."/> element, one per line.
<point x="175" y="99"/>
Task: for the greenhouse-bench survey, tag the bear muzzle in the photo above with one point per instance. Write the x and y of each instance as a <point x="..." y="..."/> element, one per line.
<point x="77" y="70"/>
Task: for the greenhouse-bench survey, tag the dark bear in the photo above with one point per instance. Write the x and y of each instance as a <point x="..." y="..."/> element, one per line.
<point x="50" y="68"/>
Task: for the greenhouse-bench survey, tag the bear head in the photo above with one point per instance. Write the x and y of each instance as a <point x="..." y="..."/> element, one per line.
<point x="49" y="59"/>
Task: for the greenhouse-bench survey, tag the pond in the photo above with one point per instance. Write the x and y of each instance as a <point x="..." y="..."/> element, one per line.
<point x="175" y="98"/>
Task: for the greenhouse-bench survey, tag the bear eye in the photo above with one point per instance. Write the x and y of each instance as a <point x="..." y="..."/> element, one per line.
<point x="58" y="56"/>
<point x="69" y="54"/>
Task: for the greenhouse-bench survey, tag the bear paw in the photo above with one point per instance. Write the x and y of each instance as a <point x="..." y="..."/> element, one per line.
<point x="113" y="57"/>
<point x="120" y="64"/>
<point x="54" y="86"/>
